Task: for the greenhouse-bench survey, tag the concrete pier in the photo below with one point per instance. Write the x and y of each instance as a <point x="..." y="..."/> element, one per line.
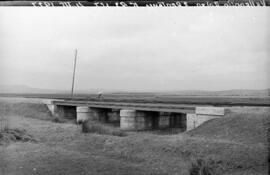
<point x="83" y="114"/>
<point x="94" y="114"/>
<point x="134" y="120"/>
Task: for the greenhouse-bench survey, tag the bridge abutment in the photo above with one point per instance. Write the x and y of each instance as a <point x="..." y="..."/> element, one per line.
<point x="68" y="112"/>
<point x="52" y="107"/>
<point x="203" y="114"/>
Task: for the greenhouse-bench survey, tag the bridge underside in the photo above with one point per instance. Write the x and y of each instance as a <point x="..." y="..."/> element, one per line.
<point x="134" y="118"/>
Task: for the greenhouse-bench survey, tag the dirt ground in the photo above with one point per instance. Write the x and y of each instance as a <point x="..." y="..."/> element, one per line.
<point x="62" y="149"/>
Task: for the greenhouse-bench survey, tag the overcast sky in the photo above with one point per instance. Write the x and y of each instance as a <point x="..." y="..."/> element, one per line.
<point x="136" y="48"/>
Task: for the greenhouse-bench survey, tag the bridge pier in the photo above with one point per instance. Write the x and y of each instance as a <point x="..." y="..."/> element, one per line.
<point x="94" y="114"/>
<point x="83" y="114"/>
<point x="135" y="120"/>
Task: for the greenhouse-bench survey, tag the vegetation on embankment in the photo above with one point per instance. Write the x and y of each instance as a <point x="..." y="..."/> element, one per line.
<point x="8" y="135"/>
<point x="25" y="109"/>
<point x="246" y="128"/>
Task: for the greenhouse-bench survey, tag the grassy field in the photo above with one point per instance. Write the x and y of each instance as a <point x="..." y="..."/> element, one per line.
<point x="235" y="144"/>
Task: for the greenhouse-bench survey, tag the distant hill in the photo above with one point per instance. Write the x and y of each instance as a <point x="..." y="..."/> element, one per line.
<point x="233" y="92"/>
<point x="22" y="89"/>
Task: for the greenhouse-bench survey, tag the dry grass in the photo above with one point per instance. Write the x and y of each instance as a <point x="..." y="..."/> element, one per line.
<point x="12" y="135"/>
<point x="201" y="166"/>
<point x="243" y="128"/>
<point x="238" y="140"/>
<point x="8" y="134"/>
<point x="25" y="109"/>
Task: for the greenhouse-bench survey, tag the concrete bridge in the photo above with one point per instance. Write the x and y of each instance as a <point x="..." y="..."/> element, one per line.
<point x="136" y="116"/>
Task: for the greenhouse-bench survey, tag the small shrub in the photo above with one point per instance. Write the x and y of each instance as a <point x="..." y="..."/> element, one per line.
<point x="200" y="166"/>
<point x="58" y="120"/>
<point x="29" y="110"/>
<point x="119" y="133"/>
<point x="94" y="127"/>
<point x="7" y="135"/>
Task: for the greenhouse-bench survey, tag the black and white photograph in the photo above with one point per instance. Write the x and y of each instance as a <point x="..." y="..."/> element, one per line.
<point x="114" y="88"/>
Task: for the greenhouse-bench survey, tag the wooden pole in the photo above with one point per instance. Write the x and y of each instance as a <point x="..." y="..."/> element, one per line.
<point x="75" y="60"/>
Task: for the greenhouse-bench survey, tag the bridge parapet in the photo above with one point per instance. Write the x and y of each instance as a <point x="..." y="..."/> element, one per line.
<point x="210" y="110"/>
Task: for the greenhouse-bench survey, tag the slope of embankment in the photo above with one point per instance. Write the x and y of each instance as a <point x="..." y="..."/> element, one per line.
<point x="249" y="127"/>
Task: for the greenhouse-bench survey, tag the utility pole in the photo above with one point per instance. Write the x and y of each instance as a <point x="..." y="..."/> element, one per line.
<point x="75" y="60"/>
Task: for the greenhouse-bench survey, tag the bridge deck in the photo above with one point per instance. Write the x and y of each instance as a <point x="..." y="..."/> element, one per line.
<point x="136" y="106"/>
